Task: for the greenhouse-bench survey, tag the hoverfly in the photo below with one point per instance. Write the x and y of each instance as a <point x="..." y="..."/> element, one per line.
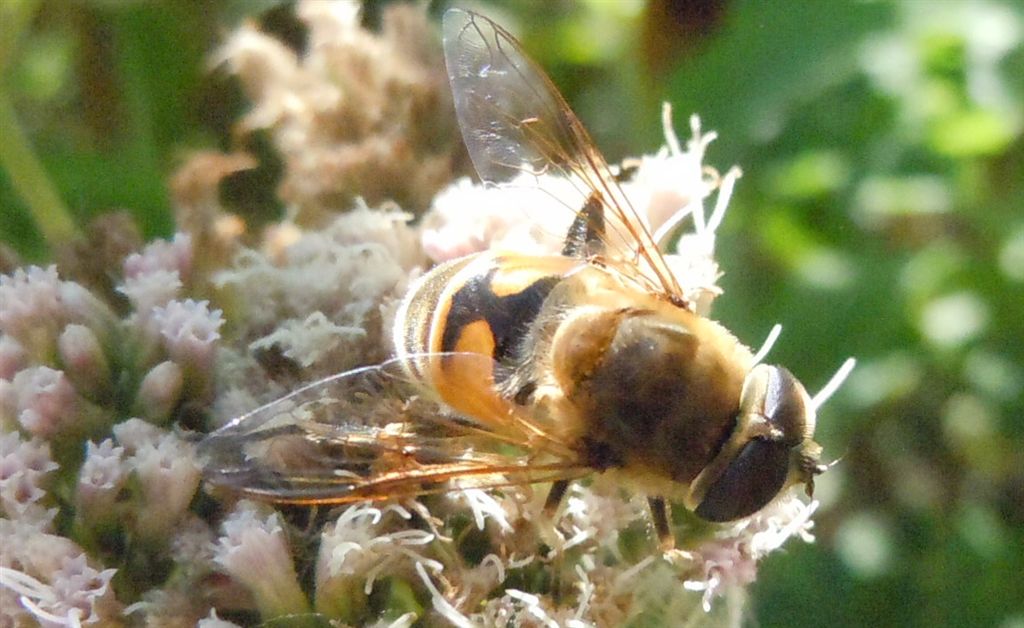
<point x="515" y="369"/>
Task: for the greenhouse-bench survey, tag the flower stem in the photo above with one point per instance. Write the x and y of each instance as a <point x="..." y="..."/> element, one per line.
<point x="17" y="159"/>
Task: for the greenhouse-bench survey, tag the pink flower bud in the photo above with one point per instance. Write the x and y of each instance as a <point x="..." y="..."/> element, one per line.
<point x="19" y="494"/>
<point x="159" y="392"/>
<point x="84" y="361"/>
<point x="13" y="357"/>
<point x="190" y="332"/>
<point x="82" y="306"/>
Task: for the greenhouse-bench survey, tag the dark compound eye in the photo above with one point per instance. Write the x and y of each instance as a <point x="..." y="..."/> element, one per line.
<point x="785" y="405"/>
<point x="753" y="478"/>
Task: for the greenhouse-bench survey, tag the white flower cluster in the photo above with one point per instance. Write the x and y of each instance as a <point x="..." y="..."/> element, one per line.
<point x="313" y="295"/>
<point x="354" y="114"/>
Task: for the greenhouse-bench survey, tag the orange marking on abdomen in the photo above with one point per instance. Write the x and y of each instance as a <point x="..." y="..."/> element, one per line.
<point x="465" y="380"/>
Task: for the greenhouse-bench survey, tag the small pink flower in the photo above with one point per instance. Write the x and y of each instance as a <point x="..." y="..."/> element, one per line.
<point x="135" y="434"/>
<point x="75" y="594"/>
<point x="152" y="289"/>
<point x="161" y="255"/>
<point x="190" y="331"/>
<point x="30" y="307"/>
<point x="19" y="493"/>
<point x="24" y="467"/>
<point x="357" y="549"/>
<point x="253" y="550"/>
<point x="168" y="475"/>
<point x="18" y="454"/>
<point x="46" y="401"/>
<point x="50" y="578"/>
<point x="100" y="479"/>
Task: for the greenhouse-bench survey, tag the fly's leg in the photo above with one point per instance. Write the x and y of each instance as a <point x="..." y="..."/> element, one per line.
<point x="585" y="238"/>
<point x="555" y="495"/>
<point x="661" y="514"/>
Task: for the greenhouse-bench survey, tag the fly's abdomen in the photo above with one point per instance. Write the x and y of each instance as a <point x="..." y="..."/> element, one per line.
<point x="415" y="316"/>
<point x="484" y="306"/>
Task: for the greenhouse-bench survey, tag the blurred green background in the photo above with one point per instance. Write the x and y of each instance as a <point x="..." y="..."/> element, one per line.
<point x="880" y="215"/>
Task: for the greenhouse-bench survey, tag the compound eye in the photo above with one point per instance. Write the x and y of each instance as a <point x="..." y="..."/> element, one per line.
<point x="773" y="393"/>
<point x="786" y="406"/>
<point x="753" y="478"/>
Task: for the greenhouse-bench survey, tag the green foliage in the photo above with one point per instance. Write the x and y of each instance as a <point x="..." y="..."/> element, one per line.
<point x="110" y="94"/>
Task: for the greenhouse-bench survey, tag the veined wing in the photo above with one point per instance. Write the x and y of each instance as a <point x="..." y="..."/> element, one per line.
<point x="371" y="434"/>
<point x="517" y="126"/>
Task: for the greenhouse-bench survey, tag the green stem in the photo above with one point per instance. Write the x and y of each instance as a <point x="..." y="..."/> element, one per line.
<point x="29" y="179"/>
<point x="15" y="17"/>
<point x="17" y="159"/>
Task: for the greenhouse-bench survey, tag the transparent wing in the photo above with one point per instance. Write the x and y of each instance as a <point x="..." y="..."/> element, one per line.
<point x="369" y="434"/>
<point x="520" y="131"/>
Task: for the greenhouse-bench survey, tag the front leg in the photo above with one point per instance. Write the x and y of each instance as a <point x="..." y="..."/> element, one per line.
<point x="661" y="514"/>
<point x="555" y="495"/>
<point x="585" y="238"/>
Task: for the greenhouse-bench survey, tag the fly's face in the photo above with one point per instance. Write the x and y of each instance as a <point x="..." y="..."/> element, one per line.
<point x="771" y="448"/>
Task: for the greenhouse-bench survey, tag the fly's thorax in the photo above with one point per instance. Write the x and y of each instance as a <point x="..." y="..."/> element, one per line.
<point x="656" y="386"/>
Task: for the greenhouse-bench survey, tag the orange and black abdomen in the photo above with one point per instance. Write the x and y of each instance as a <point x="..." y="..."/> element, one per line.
<point x="484" y="305"/>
